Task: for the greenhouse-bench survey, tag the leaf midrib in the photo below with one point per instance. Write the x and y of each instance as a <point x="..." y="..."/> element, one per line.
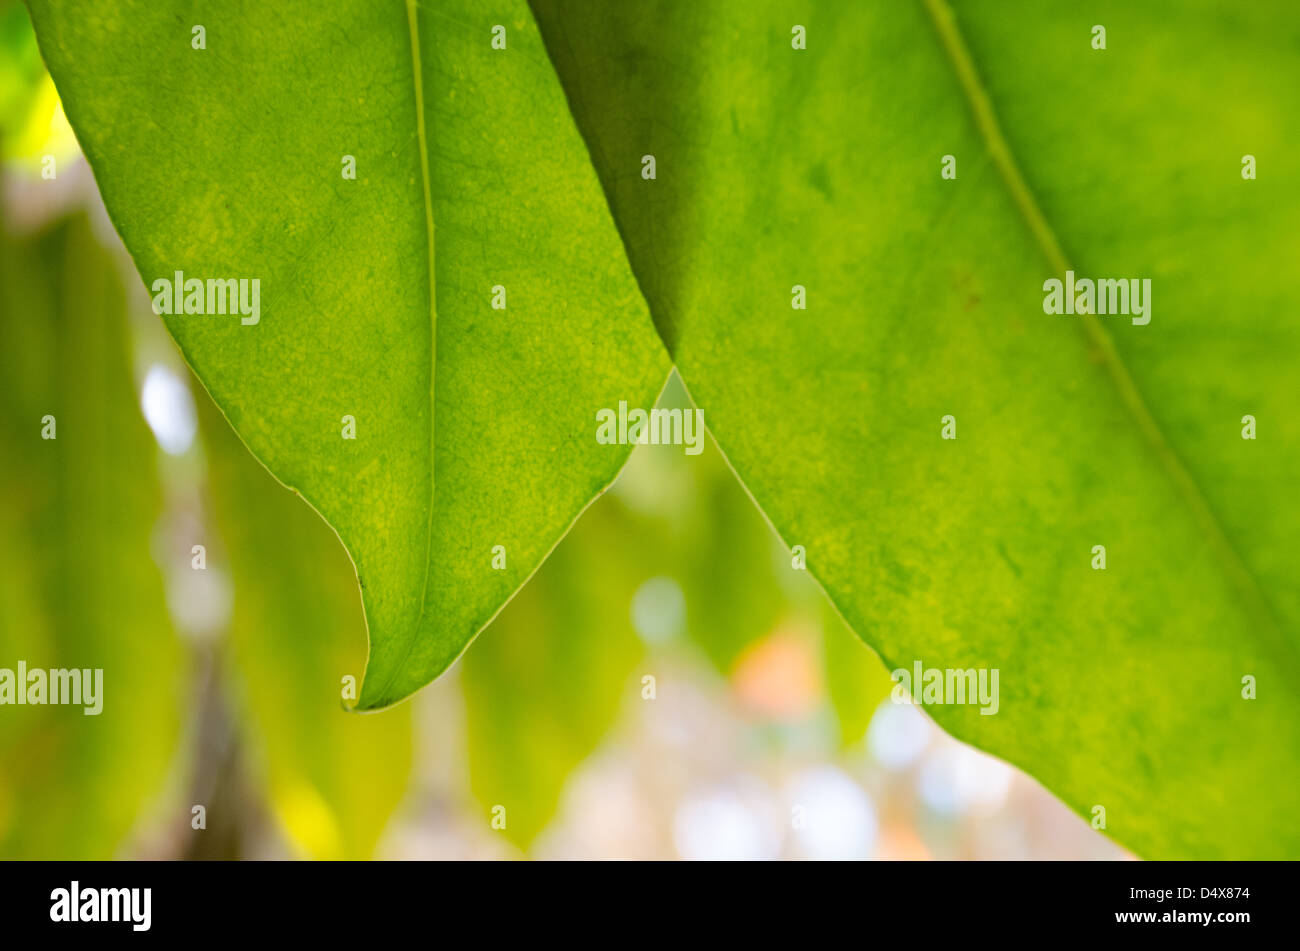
<point x="422" y="143"/>
<point x="986" y="123"/>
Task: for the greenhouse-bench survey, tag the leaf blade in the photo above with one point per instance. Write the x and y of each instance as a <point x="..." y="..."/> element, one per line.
<point x="191" y="189"/>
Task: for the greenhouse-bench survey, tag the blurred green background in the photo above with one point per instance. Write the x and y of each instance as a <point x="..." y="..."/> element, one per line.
<point x="664" y="687"/>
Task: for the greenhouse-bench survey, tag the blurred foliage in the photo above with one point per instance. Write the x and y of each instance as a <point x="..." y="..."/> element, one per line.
<point x="78" y="585"/>
<point x="21" y="70"/>
<point x="856" y="679"/>
<point x="333" y="778"/>
<point x="32" y="123"/>
<point x="545" y="681"/>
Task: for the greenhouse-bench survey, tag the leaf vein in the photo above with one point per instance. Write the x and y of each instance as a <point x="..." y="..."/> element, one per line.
<point x="986" y="123"/>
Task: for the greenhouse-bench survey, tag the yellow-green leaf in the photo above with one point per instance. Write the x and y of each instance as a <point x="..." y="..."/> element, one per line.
<point x="222" y="137"/>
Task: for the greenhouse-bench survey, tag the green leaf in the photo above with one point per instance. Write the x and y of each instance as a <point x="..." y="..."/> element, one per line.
<point x="79" y="587"/>
<point x="333" y="780"/>
<point x="821" y="167"/>
<point x="227" y="162"/>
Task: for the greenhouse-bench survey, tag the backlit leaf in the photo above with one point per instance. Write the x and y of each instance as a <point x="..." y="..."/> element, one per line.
<point x="222" y="155"/>
<point x="820" y="168"/>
